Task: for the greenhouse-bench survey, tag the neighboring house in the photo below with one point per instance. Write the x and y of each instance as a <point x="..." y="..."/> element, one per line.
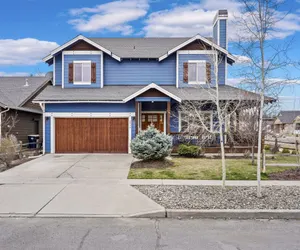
<point x="16" y="95"/>
<point x="287" y="122"/>
<point x="105" y="90"/>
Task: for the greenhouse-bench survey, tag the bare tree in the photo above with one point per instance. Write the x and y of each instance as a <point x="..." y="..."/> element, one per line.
<point x="8" y="122"/>
<point x="255" y="27"/>
<point x="206" y="126"/>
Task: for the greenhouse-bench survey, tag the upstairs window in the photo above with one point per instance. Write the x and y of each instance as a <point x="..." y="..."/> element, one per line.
<point x="197" y="72"/>
<point x="82" y="72"/>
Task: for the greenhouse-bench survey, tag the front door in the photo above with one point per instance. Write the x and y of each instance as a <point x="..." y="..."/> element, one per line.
<point x="155" y="119"/>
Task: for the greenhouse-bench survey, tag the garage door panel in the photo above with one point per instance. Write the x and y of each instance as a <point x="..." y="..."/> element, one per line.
<point x="91" y="135"/>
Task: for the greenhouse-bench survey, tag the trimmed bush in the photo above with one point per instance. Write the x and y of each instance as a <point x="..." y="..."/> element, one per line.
<point x="285" y="151"/>
<point x="151" y="145"/>
<point x="294" y="152"/>
<point x="267" y="147"/>
<point x="189" y="150"/>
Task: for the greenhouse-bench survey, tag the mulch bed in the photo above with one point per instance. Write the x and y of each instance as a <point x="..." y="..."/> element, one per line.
<point x="152" y="164"/>
<point x="215" y="197"/>
<point x="291" y="174"/>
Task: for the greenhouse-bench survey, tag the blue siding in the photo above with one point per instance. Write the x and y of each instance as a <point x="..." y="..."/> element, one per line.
<point x="47" y="134"/>
<point x="90" y="107"/>
<point x="132" y="128"/>
<point x="174" y="118"/>
<point x="58" y="70"/>
<point x="70" y="58"/>
<point x="223" y="34"/>
<point x="139" y="72"/>
<point x="186" y="57"/>
<point x="215" y="33"/>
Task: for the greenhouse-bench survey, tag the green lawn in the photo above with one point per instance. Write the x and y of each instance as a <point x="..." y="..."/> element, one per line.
<point x="208" y="169"/>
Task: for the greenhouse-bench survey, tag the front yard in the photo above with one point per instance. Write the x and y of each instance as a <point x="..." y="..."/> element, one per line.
<point x="208" y="169"/>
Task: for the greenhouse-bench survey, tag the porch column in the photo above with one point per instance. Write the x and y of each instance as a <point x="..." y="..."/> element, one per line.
<point x="137" y="117"/>
<point x="168" y="117"/>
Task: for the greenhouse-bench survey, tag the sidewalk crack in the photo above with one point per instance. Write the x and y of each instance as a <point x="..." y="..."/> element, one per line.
<point x="83" y="239"/>
<point x="66" y="171"/>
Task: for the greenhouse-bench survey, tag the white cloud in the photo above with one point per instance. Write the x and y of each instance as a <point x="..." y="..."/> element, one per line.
<point x="242" y="59"/>
<point x="27" y="51"/>
<point x="113" y="16"/>
<point x="194" y="18"/>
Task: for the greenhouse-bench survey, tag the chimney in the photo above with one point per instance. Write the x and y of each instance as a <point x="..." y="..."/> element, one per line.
<point x="220" y="28"/>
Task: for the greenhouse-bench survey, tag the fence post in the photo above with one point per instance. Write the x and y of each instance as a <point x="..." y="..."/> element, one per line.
<point x="264" y="161"/>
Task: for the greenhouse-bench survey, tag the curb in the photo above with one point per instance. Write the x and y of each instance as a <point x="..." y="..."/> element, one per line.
<point x="233" y="214"/>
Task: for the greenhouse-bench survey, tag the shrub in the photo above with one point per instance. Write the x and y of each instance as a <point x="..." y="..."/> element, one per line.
<point x="8" y="150"/>
<point x="294" y="152"/>
<point x="267" y="147"/>
<point x="189" y="150"/>
<point x="285" y="151"/>
<point x="151" y="145"/>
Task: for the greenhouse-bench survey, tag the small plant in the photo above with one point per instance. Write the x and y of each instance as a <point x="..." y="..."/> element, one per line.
<point x="151" y="144"/>
<point x="267" y="147"/>
<point x="247" y="154"/>
<point x="285" y="151"/>
<point x="294" y="152"/>
<point x="8" y="150"/>
<point x="189" y="150"/>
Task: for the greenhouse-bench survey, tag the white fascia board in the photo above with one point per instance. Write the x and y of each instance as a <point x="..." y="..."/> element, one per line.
<point x="80" y="37"/>
<point x="193" y="39"/>
<point x="196" y="52"/>
<point x="155" y="86"/>
<point x="79" y="101"/>
<point x="87" y="114"/>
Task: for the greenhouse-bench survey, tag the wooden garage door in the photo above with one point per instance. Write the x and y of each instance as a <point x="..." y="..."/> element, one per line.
<point x="91" y="135"/>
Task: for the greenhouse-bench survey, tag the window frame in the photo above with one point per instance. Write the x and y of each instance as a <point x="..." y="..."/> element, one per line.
<point x="196" y="62"/>
<point x="82" y="82"/>
<point x="210" y="112"/>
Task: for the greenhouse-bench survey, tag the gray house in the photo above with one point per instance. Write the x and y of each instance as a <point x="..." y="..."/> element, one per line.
<point x="288" y="122"/>
<point x="18" y="115"/>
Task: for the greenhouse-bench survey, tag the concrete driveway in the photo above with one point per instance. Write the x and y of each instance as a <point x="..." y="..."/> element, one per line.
<point x="74" y="166"/>
<point x="84" y="185"/>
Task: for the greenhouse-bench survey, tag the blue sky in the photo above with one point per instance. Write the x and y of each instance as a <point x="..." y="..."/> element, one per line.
<point x="32" y="28"/>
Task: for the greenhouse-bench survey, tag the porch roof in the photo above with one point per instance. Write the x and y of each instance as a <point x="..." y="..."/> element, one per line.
<point x="123" y="94"/>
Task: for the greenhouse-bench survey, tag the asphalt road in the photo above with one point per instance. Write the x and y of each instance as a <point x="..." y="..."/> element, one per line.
<point x="132" y="234"/>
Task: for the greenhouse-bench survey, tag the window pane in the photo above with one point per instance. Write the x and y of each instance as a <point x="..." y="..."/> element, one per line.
<point x="86" y="72"/>
<point x="192" y="72"/>
<point x="201" y="67"/>
<point x="78" y="72"/>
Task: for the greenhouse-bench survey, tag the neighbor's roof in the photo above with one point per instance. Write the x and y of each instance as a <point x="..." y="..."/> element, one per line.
<point x="120" y="48"/>
<point x="121" y="93"/>
<point x="14" y="94"/>
<point x="288" y="116"/>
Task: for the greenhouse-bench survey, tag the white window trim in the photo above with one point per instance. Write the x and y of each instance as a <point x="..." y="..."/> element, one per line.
<point x="82" y="83"/>
<point x="196" y="82"/>
<point x="205" y="112"/>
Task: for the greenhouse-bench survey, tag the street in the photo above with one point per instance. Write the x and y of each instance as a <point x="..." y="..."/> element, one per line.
<point x="131" y="234"/>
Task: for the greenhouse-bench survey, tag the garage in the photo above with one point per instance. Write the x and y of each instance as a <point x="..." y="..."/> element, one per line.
<point x="91" y="135"/>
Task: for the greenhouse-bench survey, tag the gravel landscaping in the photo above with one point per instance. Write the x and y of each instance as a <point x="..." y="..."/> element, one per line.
<point x="214" y="197"/>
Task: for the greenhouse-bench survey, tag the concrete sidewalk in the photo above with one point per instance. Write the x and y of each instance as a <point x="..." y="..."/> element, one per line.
<point x="209" y="182"/>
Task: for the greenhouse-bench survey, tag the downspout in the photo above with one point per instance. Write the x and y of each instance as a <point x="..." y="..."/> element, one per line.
<point x="2" y="112"/>
<point x="42" y="105"/>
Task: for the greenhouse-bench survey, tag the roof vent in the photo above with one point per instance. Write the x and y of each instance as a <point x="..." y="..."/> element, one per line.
<point x="26" y="83"/>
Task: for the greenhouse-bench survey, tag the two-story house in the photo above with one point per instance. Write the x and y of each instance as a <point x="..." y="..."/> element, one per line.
<point x="106" y="90"/>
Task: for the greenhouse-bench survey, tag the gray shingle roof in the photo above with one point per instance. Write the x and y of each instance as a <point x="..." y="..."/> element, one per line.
<point x="139" y="47"/>
<point x="118" y="93"/>
<point x="13" y="92"/>
<point x="288" y="116"/>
